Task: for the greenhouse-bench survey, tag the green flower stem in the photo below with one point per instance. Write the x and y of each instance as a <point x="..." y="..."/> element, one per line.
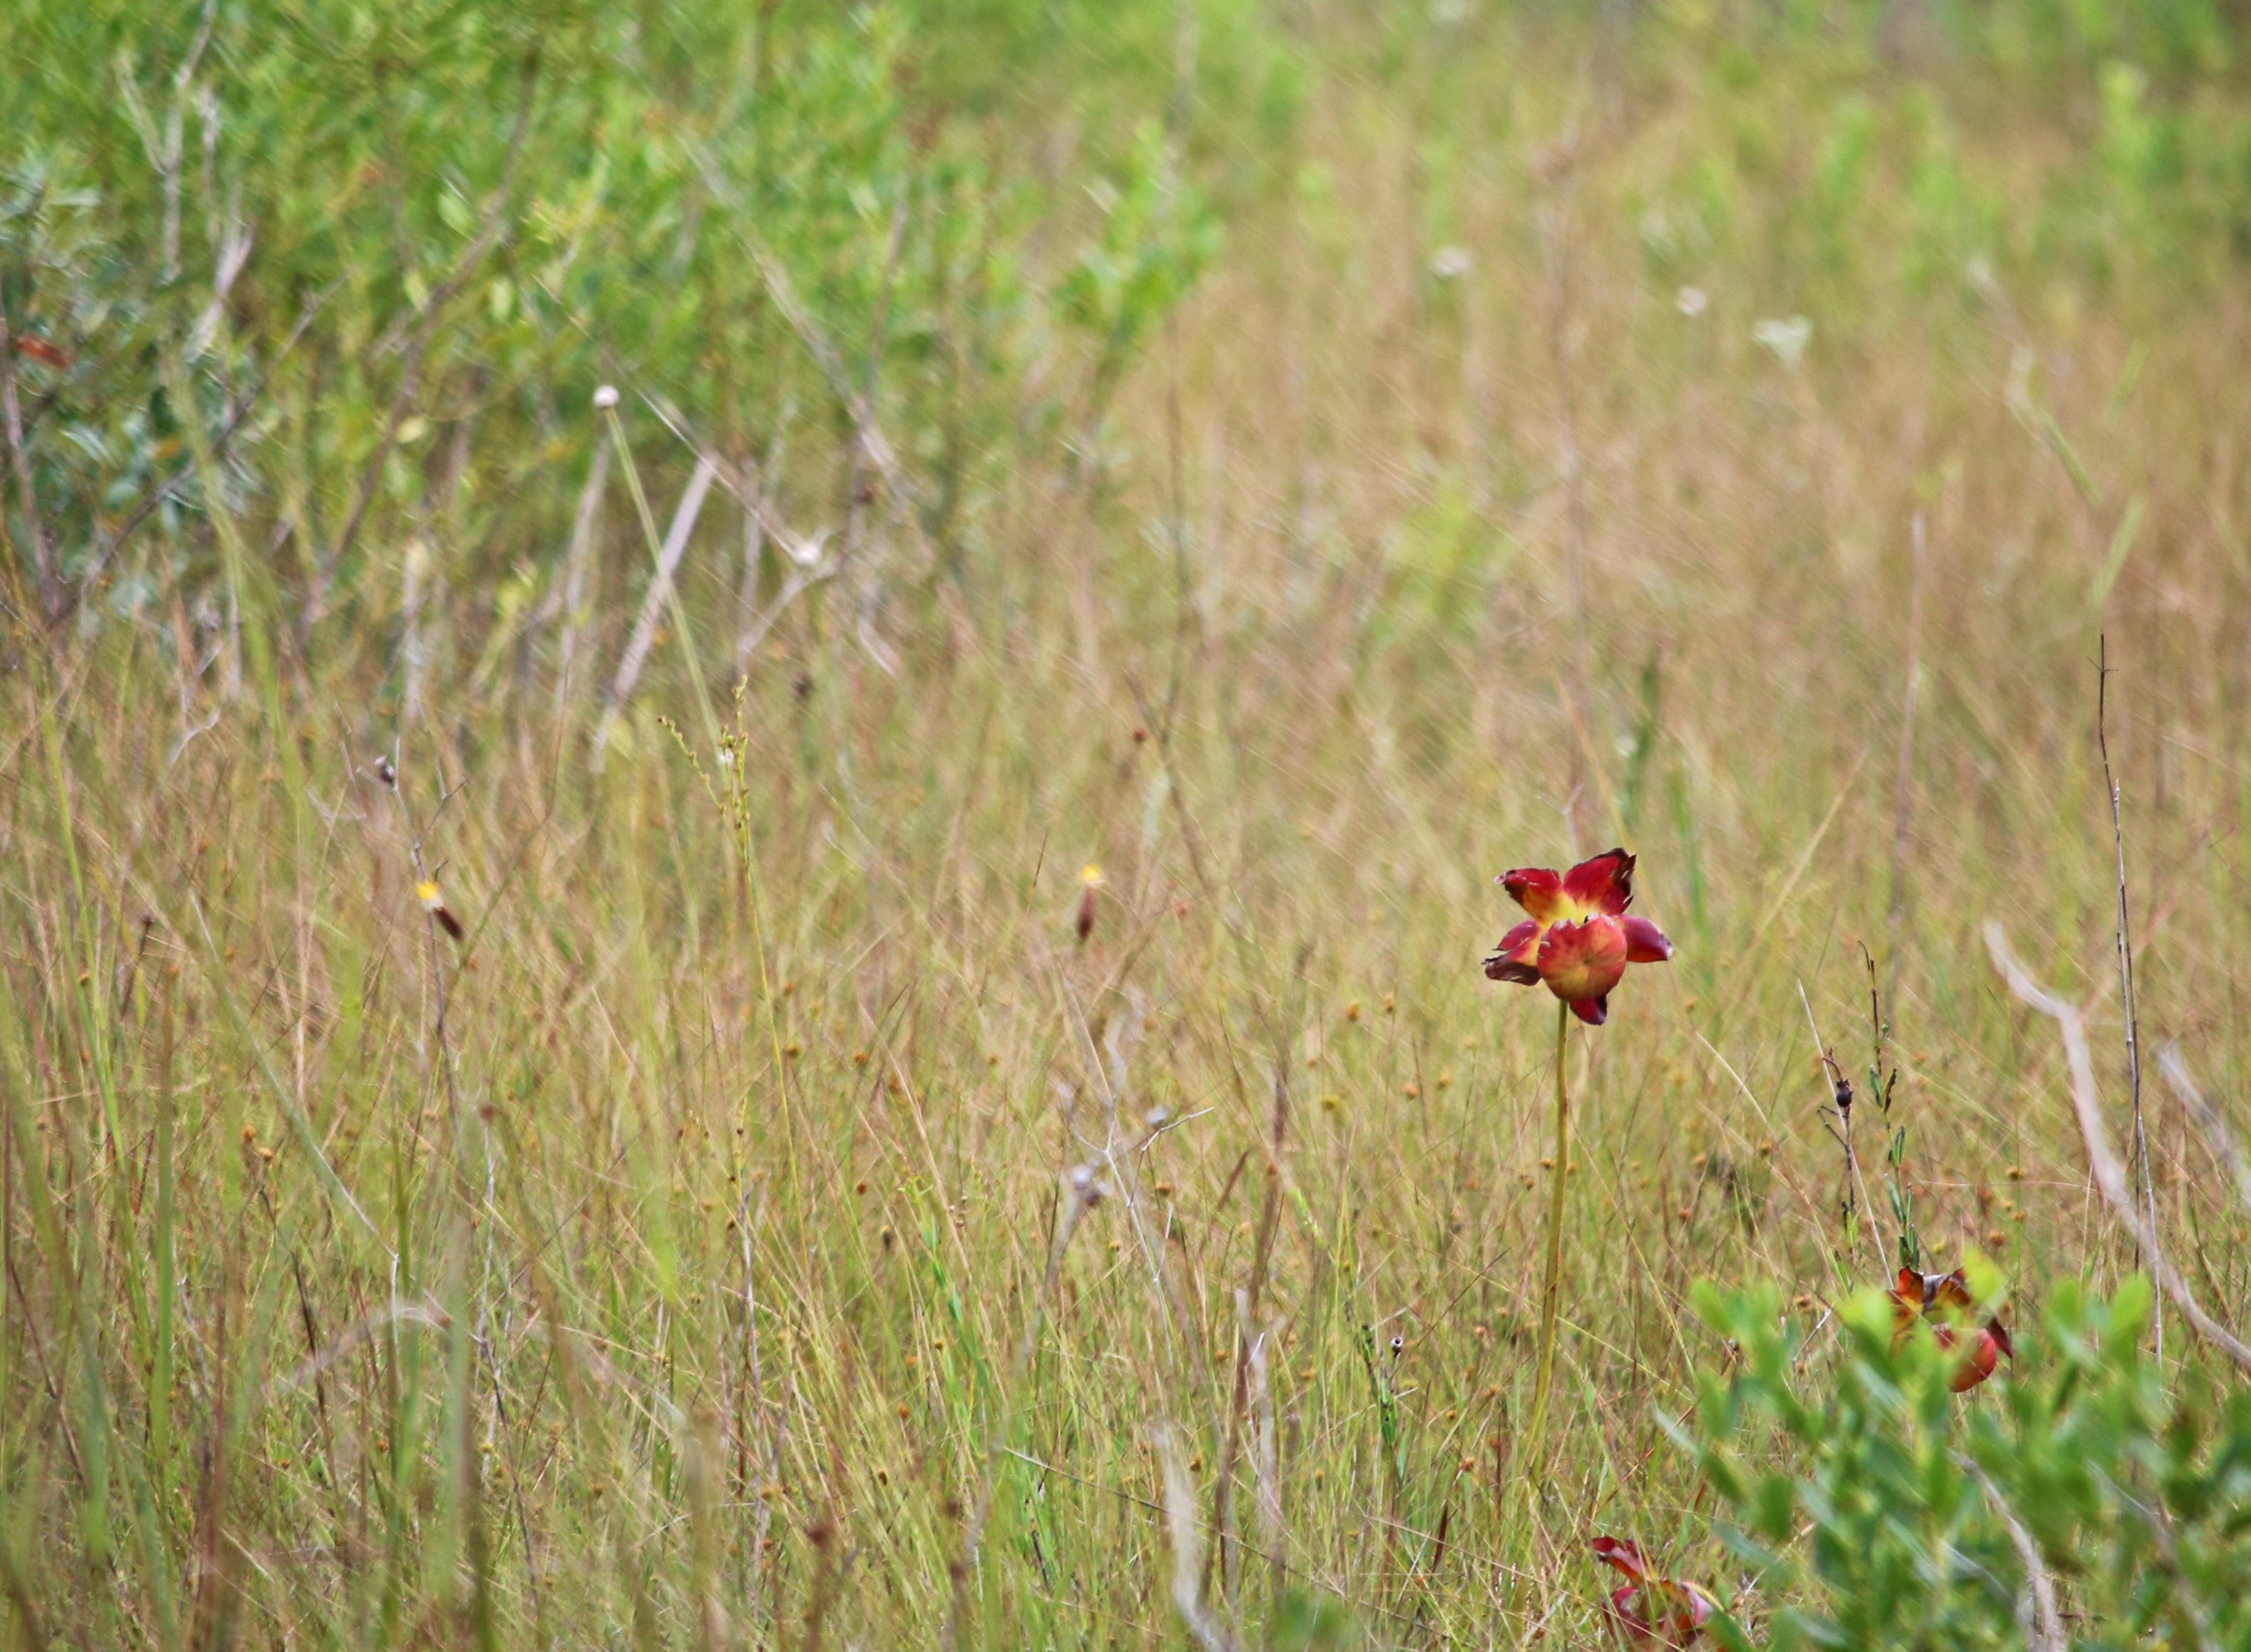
<point x="1535" y="1460"/>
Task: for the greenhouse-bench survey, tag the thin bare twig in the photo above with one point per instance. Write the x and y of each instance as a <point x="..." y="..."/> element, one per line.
<point x="2207" y="1119"/>
<point x="2103" y="1159"/>
<point x="875" y="446"/>
<point x="2045" y="1633"/>
<point x="750" y="492"/>
<point x="164" y="152"/>
<point x="1188" y="1545"/>
<point x="798" y="583"/>
<point x="1248" y="1346"/>
<point x="1841" y="1100"/>
<point x="857" y="495"/>
<point x="569" y="595"/>
<point x="2127" y="1005"/>
<point x="2188" y="1611"/>
<point x="660" y="591"/>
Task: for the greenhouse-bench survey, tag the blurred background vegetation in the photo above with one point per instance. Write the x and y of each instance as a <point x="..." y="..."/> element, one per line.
<point x="1291" y="459"/>
<point x="378" y="257"/>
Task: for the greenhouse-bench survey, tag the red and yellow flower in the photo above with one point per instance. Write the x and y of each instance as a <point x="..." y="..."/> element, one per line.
<point x="1576" y="937"/>
<point x="1648" y="1610"/>
<point x="1944" y="1300"/>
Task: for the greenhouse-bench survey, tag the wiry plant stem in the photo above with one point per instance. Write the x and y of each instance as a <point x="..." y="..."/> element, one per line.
<point x="2128" y="1008"/>
<point x="1551" y="1294"/>
<point x="1856" y="1183"/>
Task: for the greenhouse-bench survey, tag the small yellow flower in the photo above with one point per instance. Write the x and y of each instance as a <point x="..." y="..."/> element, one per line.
<point x="1090" y="879"/>
<point x="434" y="903"/>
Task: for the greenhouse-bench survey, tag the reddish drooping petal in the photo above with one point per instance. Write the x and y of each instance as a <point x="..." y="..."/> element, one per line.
<point x="1950" y="1292"/>
<point x="1536" y="889"/>
<point x="1584" y="960"/>
<point x="1622" y="1554"/>
<point x="1517" y="957"/>
<point x="1603" y="884"/>
<point x="1645" y="942"/>
<point x="1986" y="1345"/>
<point x="1976" y="1364"/>
<point x="1625" y="1611"/>
<point x="1593" y="1012"/>
<point x="1651" y="1611"/>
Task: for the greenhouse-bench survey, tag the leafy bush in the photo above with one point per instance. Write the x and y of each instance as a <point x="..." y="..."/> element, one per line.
<point x="802" y="233"/>
<point x="2072" y="1503"/>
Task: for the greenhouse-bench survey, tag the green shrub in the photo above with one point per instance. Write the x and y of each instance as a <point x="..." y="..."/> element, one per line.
<point x="484" y="213"/>
<point x="2071" y="1500"/>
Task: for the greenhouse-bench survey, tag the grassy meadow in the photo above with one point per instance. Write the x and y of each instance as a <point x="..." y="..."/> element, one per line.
<point x="1245" y="474"/>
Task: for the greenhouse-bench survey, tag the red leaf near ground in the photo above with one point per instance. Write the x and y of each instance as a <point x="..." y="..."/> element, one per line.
<point x="39" y="350"/>
<point x="1649" y="1611"/>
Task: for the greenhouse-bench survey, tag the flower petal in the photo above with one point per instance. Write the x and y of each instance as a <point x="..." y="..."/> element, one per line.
<point x="1593" y="1012"/>
<point x="1946" y="1292"/>
<point x="1650" y="1610"/>
<point x="1624" y="1607"/>
<point x="1623" y="1553"/>
<point x="1632" y="1622"/>
<point x="1978" y="1363"/>
<point x="1584" y="960"/>
<point x="1906" y="1304"/>
<point x="1603" y="884"/>
<point x="1645" y="942"/>
<point x="1676" y="1611"/>
<point x="1515" y="960"/>
<point x="1536" y="889"/>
